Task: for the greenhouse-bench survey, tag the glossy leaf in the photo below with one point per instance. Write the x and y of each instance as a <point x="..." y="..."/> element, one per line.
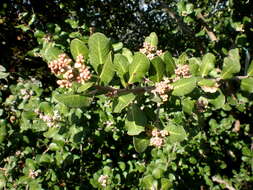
<point x="141" y="143"/>
<point x="78" y="47"/>
<point x="176" y="133"/>
<point x="148" y="181"/>
<point x="152" y="39"/>
<point x="128" y="54"/>
<point x="194" y="64"/>
<point x="165" y="184"/>
<point x="219" y="101"/>
<point x="122" y="101"/>
<point x="247" y="84"/>
<point x="121" y="65"/>
<point x="107" y="72"/>
<point x="157" y="69"/>
<point x="138" y="68"/>
<point x="52" y="53"/>
<point x="117" y="46"/>
<point x="99" y="46"/>
<point x="170" y="65"/>
<point x="188" y="105"/>
<point x="136" y="121"/>
<point x="207" y="64"/>
<point x="85" y="87"/>
<point x="231" y="64"/>
<point x="250" y="69"/>
<point x="74" y="101"/>
<point x="184" y="86"/>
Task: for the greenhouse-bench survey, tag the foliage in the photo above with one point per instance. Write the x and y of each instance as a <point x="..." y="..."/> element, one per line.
<point x="164" y="116"/>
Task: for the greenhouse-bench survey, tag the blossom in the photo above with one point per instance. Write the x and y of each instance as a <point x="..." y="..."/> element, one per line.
<point x="103" y="180"/>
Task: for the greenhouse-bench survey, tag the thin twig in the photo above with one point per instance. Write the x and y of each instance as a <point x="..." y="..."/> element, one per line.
<point x="140" y="90"/>
<point x="221" y="181"/>
<point x="208" y="30"/>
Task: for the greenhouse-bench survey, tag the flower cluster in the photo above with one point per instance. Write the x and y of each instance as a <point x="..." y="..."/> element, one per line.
<point x="157" y="138"/>
<point x="201" y="104"/>
<point x="49" y="120"/>
<point x="62" y="67"/>
<point x="103" y="180"/>
<point x="162" y="88"/>
<point x="33" y="174"/>
<point x="182" y="71"/>
<point x="150" y="51"/>
<point x="26" y="93"/>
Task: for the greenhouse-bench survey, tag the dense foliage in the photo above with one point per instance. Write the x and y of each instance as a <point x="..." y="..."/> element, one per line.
<point x="90" y="99"/>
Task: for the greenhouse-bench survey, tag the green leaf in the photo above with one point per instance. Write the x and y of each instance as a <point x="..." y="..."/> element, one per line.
<point x="3" y="75"/>
<point x="52" y="53"/>
<point x="170" y="65"/>
<point x="157" y="173"/>
<point x="148" y="181"/>
<point x="207" y="64"/>
<point x="3" y="131"/>
<point x="138" y="68"/>
<point x="247" y="84"/>
<point x="152" y="39"/>
<point x="107" y="72"/>
<point x="194" y="64"/>
<point x="231" y="64"/>
<point x="183" y="86"/>
<point x="85" y="87"/>
<point x="122" y="101"/>
<point x="78" y="47"/>
<point x="250" y="69"/>
<point x="219" y="101"/>
<point x="176" y="133"/>
<point x="165" y="184"/>
<point x="121" y="65"/>
<point x="100" y="47"/>
<point x="188" y="105"/>
<point x="206" y="82"/>
<point x="157" y="69"/>
<point x="128" y="54"/>
<point x="117" y="46"/>
<point x="135" y="121"/>
<point x="141" y="143"/>
<point x="74" y="101"/>
<point x="45" y="108"/>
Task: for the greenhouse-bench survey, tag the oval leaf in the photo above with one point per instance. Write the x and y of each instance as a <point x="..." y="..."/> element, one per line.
<point x="74" y="101"/>
<point x="176" y="133"/>
<point x="250" y="69"/>
<point x="152" y="39"/>
<point x="207" y="64"/>
<point x="157" y="69"/>
<point x="78" y="47"/>
<point x="121" y="65"/>
<point x="140" y="143"/>
<point x="170" y="65"/>
<point x="123" y="101"/>
<point x="135" y="121"/>
<point x="231" y="64"/>
<point x="52" y="53"/>
<point x="247" y="85"/>
<point x="183" y="86"/>
<point x="100" y="47"/>
<point x="107" y="72"/>
<point x="138" y="68"/>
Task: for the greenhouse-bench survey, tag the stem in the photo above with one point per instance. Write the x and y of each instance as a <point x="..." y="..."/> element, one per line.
<point x="140" y="90"/>
<point x="208" y="30"/>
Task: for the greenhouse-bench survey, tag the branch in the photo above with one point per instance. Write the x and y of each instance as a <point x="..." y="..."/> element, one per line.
<point x="221" y="181"/>
<point x="110" y="91"/>
<point x="208" y="30"/>
<point x="118" y="92"/>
